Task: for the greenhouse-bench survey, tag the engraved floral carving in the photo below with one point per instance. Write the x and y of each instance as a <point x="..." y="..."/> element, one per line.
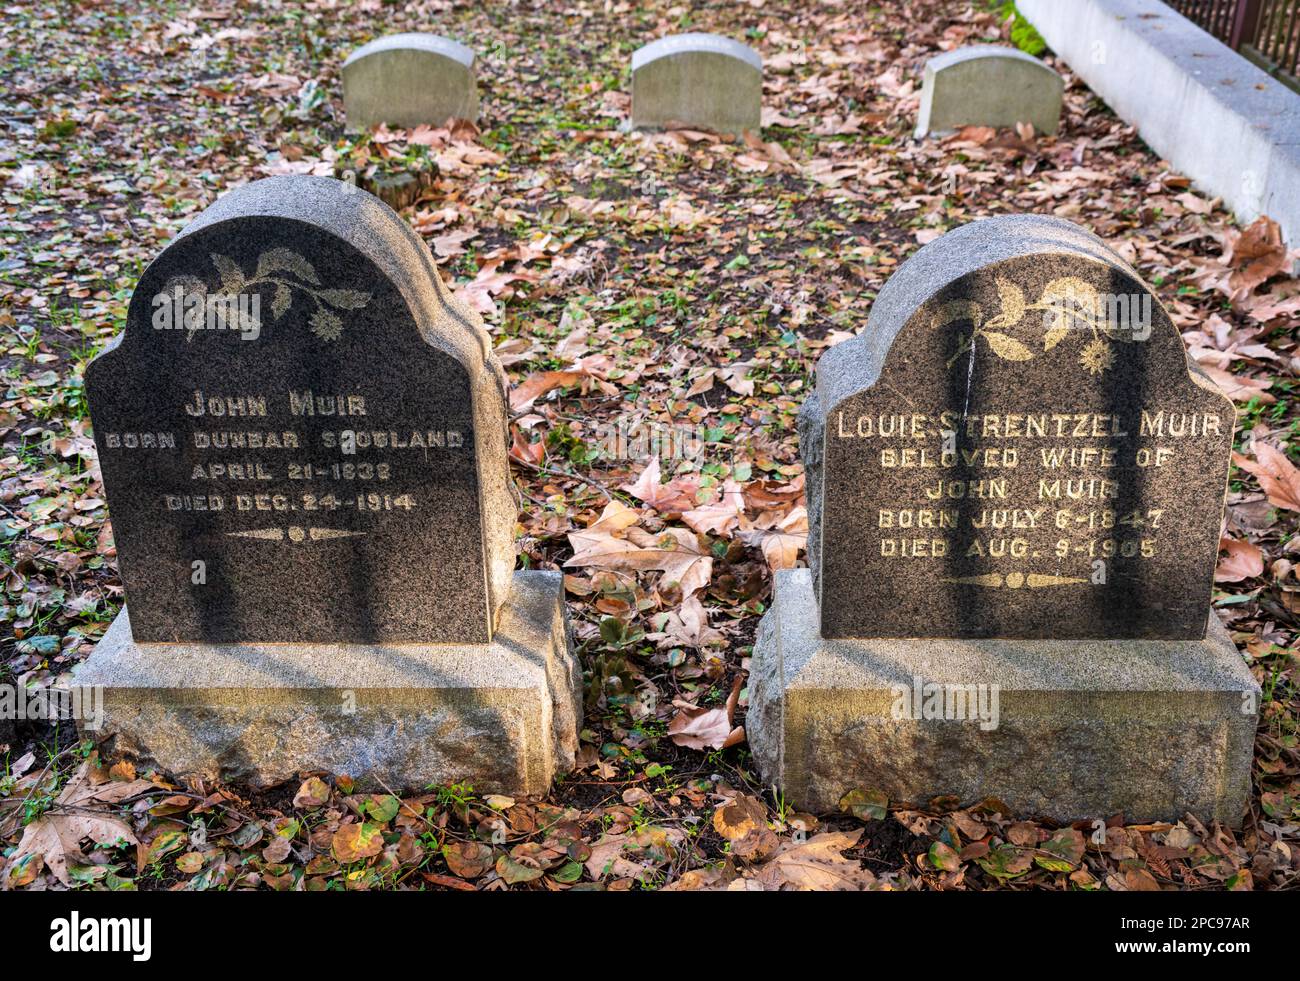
<point x="1066" y="305"/>
<point x="296" y="534"/>
<point x="288" y="273"/>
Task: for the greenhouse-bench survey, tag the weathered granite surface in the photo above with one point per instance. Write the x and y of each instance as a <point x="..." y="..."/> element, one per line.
<point x="1002" y="452"/>
<point x="1085" y="729"/>
<point x="502" y="716"/>
<point x="408" y="80"/>
<point x="704" y="81"/>
<point x="335" y="465"/>
<point x="988" y="85"/>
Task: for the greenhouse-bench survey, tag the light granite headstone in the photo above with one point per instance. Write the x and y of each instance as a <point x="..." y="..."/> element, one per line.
<point x="1015" y="489"/>
<point x="303" y="441"/>
<point x="408" y="80"/>
<point x="987" y="85"/>
<point x="697" y="80"/>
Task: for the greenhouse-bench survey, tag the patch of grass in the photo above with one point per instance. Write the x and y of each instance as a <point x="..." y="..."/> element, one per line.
<point x="1023" y="34"/>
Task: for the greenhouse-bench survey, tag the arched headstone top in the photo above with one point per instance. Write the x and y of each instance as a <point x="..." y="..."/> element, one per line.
<point x="360" y="220"/>
<point x="988" y="85"/>
<point x="695" y="43"/>
<point x="298" y="404"/>
<point x="973" y="257"/>
<point x="1019" y="408"/>
<point x="982" y="52"/>
<point x="702" y="80"/>
<point x="415" y="41"/>
<point x="409" y="80"/>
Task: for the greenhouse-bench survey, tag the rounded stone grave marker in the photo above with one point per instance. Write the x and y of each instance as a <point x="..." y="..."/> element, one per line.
<point x="302" y="434"/>
<point x="1016" y="446"/>
<point x="1015" y="488"/>
<point x="987" y="85"/>
<point x="697" y="80"/>
<point x="407" y="80"/>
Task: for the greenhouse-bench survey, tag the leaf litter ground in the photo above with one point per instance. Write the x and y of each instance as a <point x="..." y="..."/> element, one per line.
<point x="659" y="301"/>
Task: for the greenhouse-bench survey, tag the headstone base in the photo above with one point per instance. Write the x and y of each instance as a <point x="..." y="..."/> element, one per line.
<point x="1085" y="729"/>
<point x="502" y="716"/>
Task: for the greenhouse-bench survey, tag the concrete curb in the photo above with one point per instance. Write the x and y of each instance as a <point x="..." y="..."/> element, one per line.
<point x="1215" y="116"/>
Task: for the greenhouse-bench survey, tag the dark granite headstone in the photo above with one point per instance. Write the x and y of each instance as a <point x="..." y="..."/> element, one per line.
<point x="302" y="434"/>
<point x="1016" y="446"/>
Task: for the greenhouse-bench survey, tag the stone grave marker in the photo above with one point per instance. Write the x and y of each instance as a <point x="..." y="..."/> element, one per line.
<point x="406" y="80"/>
<point x="987" y="85"/>
<point x="303" y="442"/>
<point x="1015" y="484"/>
<point x="697" y="80"/>
<point x="1090" y="508"/>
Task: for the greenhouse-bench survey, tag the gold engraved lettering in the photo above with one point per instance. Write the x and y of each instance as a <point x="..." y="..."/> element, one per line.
<point x="958" y="489"/>
<point x="1178" y="424"/>
<point x="308" y="403"/>
<point x="139" y="441"/>
<point x="226" y="405"/>
<point x="1091" y="488"/>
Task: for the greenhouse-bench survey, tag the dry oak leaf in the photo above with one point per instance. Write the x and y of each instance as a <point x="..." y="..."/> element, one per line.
<point x="1243" y="561"/>
<point x="1140" y="880"/>
<point x="743" y="822"/>
<point x="687" y="626"/>
<point x="678" y="495"/>
<point x="762" y="495"/>
<point x="313" y="793"/>
<point x="1256" y="255"/>
<point x="514" y="350"/>
<point x="615" y="518"/>
<point x="354" y="842"/>
<point x="698" y="880"/>
<point x="467" y="859"/>
<point x="816" y="864"/>
<point x="675" y="552"/>
<point x="720" y="517"/>
<point x="55" y="837"/>
<point x="525" y="452"/>
<point x="1277" y="475"/>
<point x="1239" y="388"/>
<point x="701" y="728"/>
<point x="535" y="386"/>
<point x="632" y="855"/>
<point x="781" y="545"/>
<point x="733" y="376"/>
<point x="451" y="244"/>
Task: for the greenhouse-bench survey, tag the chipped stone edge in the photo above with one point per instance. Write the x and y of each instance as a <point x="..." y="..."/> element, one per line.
<point x="1097" y="682"/>
<point x="529" y="669"/>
